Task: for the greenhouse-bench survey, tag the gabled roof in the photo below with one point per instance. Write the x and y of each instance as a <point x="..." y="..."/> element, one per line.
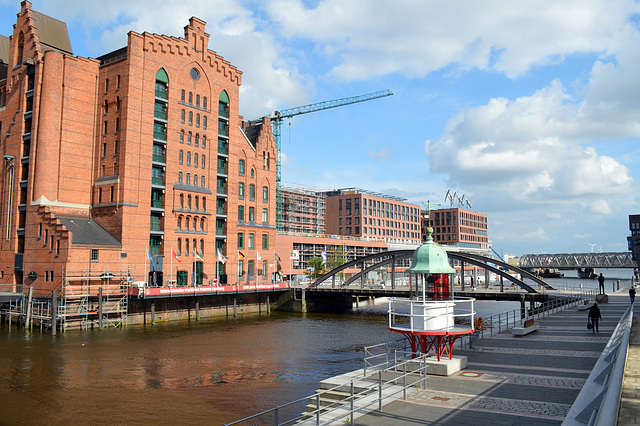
<point x="52" y="32"/>
<point x="87" y="232"/>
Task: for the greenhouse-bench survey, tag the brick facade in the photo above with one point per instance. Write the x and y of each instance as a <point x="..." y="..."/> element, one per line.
<point x="143" y="145"/>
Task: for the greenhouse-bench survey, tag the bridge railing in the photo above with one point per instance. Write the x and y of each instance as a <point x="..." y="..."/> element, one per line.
<point x="599" y="400"/>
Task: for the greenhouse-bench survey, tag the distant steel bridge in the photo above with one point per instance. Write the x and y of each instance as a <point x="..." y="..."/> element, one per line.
<point x="388" y="259"/>
<point x="578" y="260"/>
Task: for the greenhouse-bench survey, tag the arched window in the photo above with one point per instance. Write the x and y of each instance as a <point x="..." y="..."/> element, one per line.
<point x="202" y="228"/>
<point x="180" y="156"/>
<point x="106" y="106"/>
<point x="204" y="141"/>
<point x="203" y="161"/>
<point x="162" y="84"/>
<point x="180" y="222"/>
<point x="181" y="136"/>
<point x="204" y="203"/>
<point x="180" y="178"/>
<point x="182" y="115"/>
<point x="198" y="101"/>
<point x="190" y="98"/>
<point x="189" y="202"/>
<point x="188" y="158"/>
<point x="197" y="139"/>
<point x="202" y="181"/>
<point x="181" y="199"/>
<point x="190" y="118"/>
<point x="223" y="105"/>
<point x="204" y="122"/>
<point x="195" y="159"/>
<point x="195" y="180"/>
<point x="197" y="202"/>
<point x="189" y="139"/>
<point x="188" y="179"/>
<point x="204" y="102"/>
<point x="182" y="93"/>
<point x="197" y="120"/>
<point x="20" y="48"/>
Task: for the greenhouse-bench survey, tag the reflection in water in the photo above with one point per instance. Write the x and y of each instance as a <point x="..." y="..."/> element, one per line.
<point x="210" y="372"/>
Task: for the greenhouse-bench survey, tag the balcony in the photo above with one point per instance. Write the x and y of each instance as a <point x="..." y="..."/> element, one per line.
<point x="222" y="170"/>
<point x="224" y="149"/>
<point x="157" y="180"/>
<point x="161" y="136"/>
<point x="222" y="190"/>
<point x="162" y="115"/>
<point x="161" y="93"/>
<point x="158" y="158"/>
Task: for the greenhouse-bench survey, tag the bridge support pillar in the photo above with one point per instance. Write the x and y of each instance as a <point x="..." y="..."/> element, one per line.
<point x="393" y="272"/>
<point x="304" y="301"/>
<point x="501" y="284"/>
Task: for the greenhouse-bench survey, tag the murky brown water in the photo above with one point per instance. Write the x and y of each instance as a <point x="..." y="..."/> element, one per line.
<point x="210" y="372"/>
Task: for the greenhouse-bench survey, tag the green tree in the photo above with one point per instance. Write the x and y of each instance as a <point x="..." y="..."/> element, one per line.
<point x="316" y="265"/>
<point x="336" y="257"/>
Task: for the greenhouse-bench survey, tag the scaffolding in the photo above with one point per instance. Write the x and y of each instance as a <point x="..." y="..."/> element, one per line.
<point x="92" y="297"/>
<point x="303" y="210"/>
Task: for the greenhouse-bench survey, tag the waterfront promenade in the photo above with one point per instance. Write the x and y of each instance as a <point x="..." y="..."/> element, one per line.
<point x="529" y="380"/>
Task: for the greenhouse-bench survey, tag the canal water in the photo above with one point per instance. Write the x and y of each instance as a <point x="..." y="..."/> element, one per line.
<point x="213" y="371"/>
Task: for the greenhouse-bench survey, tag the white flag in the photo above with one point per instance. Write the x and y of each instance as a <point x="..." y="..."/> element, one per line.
<point x="295" y="255"/>
<point x="258" y="255"/>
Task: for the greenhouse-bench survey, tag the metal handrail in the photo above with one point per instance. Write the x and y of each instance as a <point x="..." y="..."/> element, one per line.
<point x="599" y="400"/>
<point x="371" y="390"/>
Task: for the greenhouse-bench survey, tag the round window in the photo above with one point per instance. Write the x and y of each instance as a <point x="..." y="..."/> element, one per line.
<point x="195" y="74"/>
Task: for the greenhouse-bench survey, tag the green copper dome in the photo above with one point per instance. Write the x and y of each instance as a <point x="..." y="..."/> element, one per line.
<point x="430" y="258"/>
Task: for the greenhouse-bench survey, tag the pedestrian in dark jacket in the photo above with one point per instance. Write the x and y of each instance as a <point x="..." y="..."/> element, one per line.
<point x="595" y="317"/>
<point x="632" y="294"/>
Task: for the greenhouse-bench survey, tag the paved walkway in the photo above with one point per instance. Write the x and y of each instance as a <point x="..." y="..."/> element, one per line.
<point x="529" y="380"/>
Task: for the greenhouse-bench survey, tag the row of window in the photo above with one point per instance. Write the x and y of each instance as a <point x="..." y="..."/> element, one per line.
<point x="190" y="247"/>
<point x="188" y="204"/>
<point x="191" y="224"/>
<point x="183" y="99"/>
<point x="251" y="241"/>
<point x="183" y="115"/>
<point x="49" y="240"/>
<point x="252" y="215"/>
<point x="265" y="165"/>
<point x="252" y="192"/>
<point x="106" y="84"/>
<point x="186" y="178"/>
<point x="106" y="105"/>
<point x="181" y="158"/>
<point x="379" y="209"/>
<point x="115" y="148"/>
<point x="196" y="138"/>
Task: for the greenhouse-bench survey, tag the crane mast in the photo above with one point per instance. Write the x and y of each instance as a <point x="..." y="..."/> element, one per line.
<point x="279" y="116"/>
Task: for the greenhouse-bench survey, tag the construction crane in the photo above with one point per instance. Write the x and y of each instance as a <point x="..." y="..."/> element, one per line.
<point x="278" y="116"/>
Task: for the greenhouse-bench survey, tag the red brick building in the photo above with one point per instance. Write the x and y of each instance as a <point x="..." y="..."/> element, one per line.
<point x="457" y="227"/>
<point x="354" y="212"/>
<point x="117" y="162"/>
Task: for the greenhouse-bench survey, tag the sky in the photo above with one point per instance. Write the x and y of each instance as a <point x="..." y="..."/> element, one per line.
<point x="529" y="109"/>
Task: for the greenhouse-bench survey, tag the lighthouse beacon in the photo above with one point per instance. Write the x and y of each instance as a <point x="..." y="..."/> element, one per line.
<point x="432" y="319"/>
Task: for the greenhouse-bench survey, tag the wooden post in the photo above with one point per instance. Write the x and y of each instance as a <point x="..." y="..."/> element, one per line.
<point x="235" y="307"/>
<point x="268" y="305"/>
<point x="27" y="322"/>
<point x="523" y="310"/>
<point x="153" y="313"/>
<point x="197" y="310"/>
<point x="54" y="312"/>
<point x="100" y="307"/>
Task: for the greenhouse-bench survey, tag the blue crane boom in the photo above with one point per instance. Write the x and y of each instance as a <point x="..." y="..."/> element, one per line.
<point x="278" y="116"/>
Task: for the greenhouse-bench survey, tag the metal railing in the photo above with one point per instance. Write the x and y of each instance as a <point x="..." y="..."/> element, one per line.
<point x="431" y="314"/>
<point x="360" y="394"/>
<point x="599" y="400"/>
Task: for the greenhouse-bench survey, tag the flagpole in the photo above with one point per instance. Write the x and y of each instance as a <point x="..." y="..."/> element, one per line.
<point x="171" y="265"/>
<point x="144" y="278"/>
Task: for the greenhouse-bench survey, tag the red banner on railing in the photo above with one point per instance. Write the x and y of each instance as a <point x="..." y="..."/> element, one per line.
<point x="204" y="290"/>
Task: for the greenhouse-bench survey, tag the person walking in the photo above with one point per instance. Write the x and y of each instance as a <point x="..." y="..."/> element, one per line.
<point x="595" y="317"/>
<point x="601" y="284"/>
<point x="632" y="293"/>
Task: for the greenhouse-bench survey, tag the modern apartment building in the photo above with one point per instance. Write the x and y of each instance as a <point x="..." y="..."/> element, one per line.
<point x="355" y="212"/>
<point x="137" y="159"/>
<point x="457" y="227"/>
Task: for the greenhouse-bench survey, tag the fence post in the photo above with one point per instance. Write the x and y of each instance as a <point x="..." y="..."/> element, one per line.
<point x="379" y="390"/>
<point x="351" y="411"/>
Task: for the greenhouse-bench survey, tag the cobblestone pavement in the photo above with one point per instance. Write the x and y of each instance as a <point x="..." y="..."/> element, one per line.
<point x="630" y="403"/>
<point x="528" y="380"/>
<point x="533" y="409"/>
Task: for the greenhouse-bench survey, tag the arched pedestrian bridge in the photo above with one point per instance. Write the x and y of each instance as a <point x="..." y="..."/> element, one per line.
<point x="389" y="259"/>
<point x="578" y="260"/>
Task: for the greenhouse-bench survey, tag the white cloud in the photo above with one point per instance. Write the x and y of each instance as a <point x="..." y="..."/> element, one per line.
<point x="379" y="154"/>
<point x="417" y="37"/>
<point x="529" y="150"/>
